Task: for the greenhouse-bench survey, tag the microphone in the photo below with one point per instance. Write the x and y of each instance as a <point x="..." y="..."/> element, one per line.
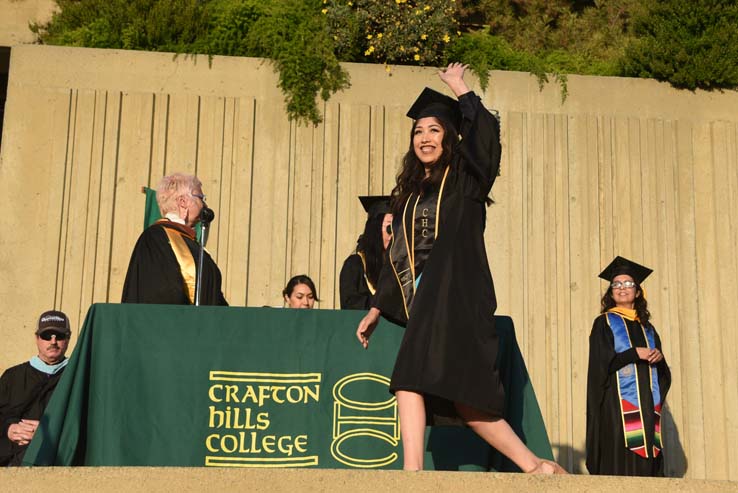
<point x="206" y="215"/>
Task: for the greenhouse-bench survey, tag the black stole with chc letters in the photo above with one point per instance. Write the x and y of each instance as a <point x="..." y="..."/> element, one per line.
<point x="413" y="235"/>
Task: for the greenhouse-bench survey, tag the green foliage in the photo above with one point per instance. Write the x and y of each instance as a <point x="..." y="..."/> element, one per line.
<point x="290" y="33"/>
<point x="484" y="52"/>
<point x="591" y="27"/>
<point x="154" y="25"/>
<point x="689" y="44"/>
<point x="294" y="37"/>
<point x="414" y="32"/>
<point x="544" y="37"/>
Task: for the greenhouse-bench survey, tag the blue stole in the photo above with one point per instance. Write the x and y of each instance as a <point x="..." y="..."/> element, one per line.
<point x="41" y="366"/>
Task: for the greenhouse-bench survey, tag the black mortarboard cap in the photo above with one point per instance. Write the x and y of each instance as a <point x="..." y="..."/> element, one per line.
<point x="433" y="103"/>
<point x="622" y="265"/>
<point x="375" y="205"/>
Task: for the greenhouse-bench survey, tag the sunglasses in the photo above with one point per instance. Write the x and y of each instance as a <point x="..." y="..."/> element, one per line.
<point x="60" y="336"/>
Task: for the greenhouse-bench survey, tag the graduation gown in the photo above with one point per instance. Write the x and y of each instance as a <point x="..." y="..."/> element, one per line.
<point x="154" y="274"/>
<point x="353" y="287"/>
<point x="449" y="349"/>
<point x="606" y="450"/>
<point x="24" y="394"/>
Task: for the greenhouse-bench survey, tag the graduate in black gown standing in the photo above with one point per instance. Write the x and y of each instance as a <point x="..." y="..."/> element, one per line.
<point x="360" y="271"/>
<point x="627" y="379"/>
<point x="437" y="280"/>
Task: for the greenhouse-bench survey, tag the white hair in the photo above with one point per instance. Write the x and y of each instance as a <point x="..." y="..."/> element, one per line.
<point x="171" y="188"/>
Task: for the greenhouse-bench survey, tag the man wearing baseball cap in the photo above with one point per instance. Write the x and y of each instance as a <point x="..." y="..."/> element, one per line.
<point x="25" y="389"/>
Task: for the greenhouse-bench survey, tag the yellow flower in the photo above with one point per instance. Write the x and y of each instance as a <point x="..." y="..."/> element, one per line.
<point x="379" y="35"/>
<point x="350" y="4"/>
<point x="369" y="36"/>
<point x="417" y="57"/>
<point x="387" y="68"/>
<point x="369" y="51"/>
<point x="418" y="12"/>
<point x="446" y="38"/>
<point x="423" y="37"/>
<point x="324" y="11"/>
<point x="427" y="7"/>
<point x="458" y="33"/>
<point x="402" y="49"/>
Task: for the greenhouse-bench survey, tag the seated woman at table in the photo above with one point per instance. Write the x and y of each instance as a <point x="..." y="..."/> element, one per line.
<point x="300" y="292"/>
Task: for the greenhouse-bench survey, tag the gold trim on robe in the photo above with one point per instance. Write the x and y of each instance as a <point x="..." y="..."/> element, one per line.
<point x="369" y="284"/>
<point x="403" y="261"/>
<point x="185" y="260"/>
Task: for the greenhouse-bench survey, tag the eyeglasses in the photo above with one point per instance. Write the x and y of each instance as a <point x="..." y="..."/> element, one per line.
<point x="623" y="285"/>
<point x="198" y="196"/>
<point x="47" y="335"/>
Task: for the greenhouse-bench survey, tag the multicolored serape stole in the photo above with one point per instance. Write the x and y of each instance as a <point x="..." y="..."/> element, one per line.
<point x="630" y="401"/>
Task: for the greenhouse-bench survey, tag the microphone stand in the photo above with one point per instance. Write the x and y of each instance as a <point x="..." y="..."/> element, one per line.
<point x="206" y="217"/>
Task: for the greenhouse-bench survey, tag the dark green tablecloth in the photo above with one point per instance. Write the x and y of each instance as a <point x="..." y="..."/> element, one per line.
<point x="259" y="387"/>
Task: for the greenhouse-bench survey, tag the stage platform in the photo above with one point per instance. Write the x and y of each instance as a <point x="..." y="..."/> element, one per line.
<point x="186" y="479"/>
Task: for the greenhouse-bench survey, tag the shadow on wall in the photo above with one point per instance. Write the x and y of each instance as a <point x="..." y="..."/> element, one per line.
<point x="4" y="70"/>
<point x="675" y="465"/>
<point x="570" y="458"/>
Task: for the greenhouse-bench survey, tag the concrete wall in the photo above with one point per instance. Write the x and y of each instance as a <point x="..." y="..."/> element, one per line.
<point x="16" y="15"/>
<point x="624" y="166"/>
<point x="135" y="479"/>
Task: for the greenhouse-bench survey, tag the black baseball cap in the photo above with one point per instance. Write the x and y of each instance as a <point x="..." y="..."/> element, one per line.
<point x="53" y="320"/>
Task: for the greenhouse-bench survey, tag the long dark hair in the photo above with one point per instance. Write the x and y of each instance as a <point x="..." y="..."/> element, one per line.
<point x="640" y="304"/>
<point x="300" y="279"/>
<point x="371" y="244"/>
<point x="412" y="179"/>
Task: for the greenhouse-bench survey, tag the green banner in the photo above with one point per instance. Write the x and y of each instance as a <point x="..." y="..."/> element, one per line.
<point x="155" y="385"/>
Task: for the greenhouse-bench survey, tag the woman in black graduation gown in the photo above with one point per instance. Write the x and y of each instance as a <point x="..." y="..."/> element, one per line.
<point x="627" y="379"/>
<point x="437" y="280"/>
<point x="360" y="270"/>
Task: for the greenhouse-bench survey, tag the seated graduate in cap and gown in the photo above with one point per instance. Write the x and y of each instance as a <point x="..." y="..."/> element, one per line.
<point x="627" y="379"/>
<point x="164" y="262"/>
<point x="360" y="270"/>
